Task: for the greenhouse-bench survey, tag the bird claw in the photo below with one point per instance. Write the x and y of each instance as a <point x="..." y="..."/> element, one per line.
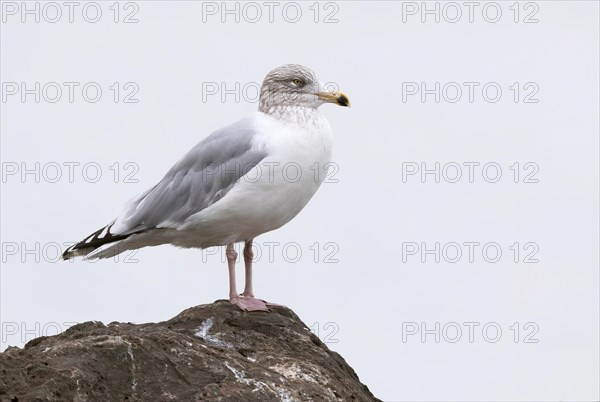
<point x="246" y="303"/>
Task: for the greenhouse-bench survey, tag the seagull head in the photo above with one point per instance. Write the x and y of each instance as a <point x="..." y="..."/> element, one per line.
<point x="297" y="86"/>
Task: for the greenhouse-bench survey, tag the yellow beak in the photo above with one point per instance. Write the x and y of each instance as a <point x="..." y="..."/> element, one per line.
<point x="335" y="97"/>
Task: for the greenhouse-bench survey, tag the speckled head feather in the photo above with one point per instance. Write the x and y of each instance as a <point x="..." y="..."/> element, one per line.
<point x="289" y="85"/>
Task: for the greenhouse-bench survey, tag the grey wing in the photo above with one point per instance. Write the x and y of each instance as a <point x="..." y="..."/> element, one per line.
<point x="201" y="178"/>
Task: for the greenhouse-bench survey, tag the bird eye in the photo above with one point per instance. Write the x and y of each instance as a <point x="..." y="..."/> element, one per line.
<point x="298" y="82"/>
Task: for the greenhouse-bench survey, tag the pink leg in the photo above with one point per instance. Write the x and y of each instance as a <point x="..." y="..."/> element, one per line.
<point x="231" y="256"/>
<point x="246" y="300"/>
<point x="248" y="257"/>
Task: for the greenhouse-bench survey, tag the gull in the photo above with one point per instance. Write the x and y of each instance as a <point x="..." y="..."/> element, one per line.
<point x="241" y="181"/>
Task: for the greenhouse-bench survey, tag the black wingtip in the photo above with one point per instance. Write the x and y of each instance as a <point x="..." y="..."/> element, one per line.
<point x="94" y="241"/>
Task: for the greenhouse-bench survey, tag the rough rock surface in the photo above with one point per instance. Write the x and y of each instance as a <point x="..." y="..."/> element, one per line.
<point x="213" y="352"/>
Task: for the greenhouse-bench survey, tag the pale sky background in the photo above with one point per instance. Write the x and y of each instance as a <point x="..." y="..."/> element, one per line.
<point x="369" y="299"/>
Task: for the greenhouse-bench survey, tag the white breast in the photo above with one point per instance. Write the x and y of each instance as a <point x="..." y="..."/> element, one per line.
<point x="277" y="189"/>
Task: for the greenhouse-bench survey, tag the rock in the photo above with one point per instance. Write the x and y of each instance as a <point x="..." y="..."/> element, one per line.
<point x="213" y="352"/>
